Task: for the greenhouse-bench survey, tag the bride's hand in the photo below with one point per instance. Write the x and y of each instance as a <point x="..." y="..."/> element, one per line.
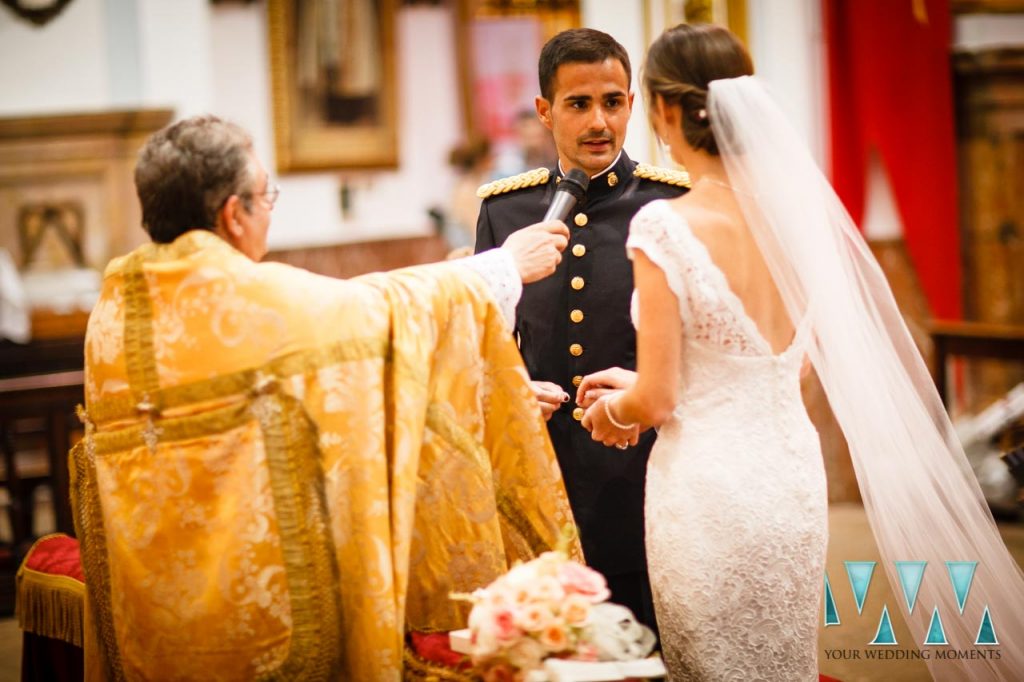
<point x="595" y="420"/>
<point x="592" y="396"/>
<point x="602" y="383"/>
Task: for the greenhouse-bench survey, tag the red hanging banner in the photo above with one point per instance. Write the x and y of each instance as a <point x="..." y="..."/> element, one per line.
<point x="890" y="87"/>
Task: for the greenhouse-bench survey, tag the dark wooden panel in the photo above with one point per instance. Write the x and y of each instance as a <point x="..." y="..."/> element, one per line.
<point x="359" y="258"/>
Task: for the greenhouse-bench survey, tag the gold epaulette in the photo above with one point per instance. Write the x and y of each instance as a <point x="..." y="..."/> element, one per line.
<point x="676" y="178"/>
<point x="531" y="178"/>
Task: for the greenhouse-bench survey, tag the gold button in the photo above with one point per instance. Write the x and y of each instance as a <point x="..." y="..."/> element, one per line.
<point x="580" y="219"/>
<point x="576" y="315"/>
<point x="577" y="414"/>
<point x="613" y="179"/>
<point x="578" y="250"/>
<point x="577" y="283"/>
<point x="577" y="380"/>
<point x="576" y="349"/>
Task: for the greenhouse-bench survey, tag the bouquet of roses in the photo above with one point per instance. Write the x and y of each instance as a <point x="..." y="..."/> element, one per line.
<point x="549" y="607"/>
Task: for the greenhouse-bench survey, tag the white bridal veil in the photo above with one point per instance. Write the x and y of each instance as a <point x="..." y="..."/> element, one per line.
<point x="920" y="495"/>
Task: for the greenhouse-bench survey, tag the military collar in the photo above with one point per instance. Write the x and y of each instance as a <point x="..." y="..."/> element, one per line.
<point x="608" y="181"/>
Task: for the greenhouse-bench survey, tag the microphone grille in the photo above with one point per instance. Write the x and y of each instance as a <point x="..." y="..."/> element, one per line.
<point x="575" y="182"/>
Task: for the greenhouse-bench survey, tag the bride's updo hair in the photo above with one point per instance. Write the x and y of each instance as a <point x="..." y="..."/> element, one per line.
<point x="680" y="65"/>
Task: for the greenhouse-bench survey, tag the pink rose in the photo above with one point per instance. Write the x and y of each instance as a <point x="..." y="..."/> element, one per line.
<point x="505" y="630"/>
<point x="585" y="581"/>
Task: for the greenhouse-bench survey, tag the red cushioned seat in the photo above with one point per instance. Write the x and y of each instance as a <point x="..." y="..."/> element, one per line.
<point x="50" y="605"/>
<point x="428" y="656"/>
<point x="50" y="597"/>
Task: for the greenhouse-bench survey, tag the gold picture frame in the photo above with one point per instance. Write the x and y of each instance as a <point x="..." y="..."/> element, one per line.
<point x="333" y="85"/>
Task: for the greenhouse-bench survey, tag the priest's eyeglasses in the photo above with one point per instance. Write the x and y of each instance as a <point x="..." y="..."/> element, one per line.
<point x="272" y="192"/>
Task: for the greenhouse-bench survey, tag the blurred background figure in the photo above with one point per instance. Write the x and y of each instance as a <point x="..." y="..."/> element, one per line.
<point x="472" y="162"/>
<point x="533" y="147"/>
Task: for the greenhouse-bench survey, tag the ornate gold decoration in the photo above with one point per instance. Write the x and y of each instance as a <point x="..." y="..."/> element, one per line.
<point x="613" y="179"/>
<point x="531" y="178"/>
<point x="668" y="176"/>
<point x="296" y="480"/>
<point x="330" y="130"/>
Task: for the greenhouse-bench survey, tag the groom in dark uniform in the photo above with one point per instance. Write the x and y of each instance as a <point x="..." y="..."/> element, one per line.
<point x="577" y="321"/>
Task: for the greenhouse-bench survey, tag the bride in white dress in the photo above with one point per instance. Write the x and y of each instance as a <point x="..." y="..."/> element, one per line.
<point x="736" y="510"/>
<point x="740" y="284"/>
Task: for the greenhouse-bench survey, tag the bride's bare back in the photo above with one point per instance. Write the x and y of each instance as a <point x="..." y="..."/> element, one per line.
<point x="716" y="219"/>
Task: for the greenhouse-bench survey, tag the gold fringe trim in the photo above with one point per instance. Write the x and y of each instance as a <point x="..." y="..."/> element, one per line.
<point x="531" y="178"/>
<point x="418" y="669"/>
<point x="50" y="605"/>
<point x="676" y="178"/>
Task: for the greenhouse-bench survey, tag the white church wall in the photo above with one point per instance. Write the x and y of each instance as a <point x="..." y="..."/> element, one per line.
<point x="788" y="47"/>
<point x="195" y="57"/>
<point x="61" y="67"/>
<point x="381" y="204"/>
<point x="174" y="54"/>
<point x="974" y="32"/>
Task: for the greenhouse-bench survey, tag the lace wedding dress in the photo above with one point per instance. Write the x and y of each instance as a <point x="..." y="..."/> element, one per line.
<point x="736" y="508"/>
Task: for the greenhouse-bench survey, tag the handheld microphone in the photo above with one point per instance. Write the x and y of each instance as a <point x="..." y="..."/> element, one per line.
<point x="568" y="193"/>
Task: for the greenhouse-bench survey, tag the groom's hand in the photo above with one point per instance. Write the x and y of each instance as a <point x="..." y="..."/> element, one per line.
<point x="602" y="383"/>
<point x="537" y="249"/>
<point x="550" y="397"/>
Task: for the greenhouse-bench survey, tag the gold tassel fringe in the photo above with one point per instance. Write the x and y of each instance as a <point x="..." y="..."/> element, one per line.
<point x="50" y="605"/>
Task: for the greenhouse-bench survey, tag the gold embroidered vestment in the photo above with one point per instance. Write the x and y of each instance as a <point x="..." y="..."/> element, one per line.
<point x="284" y="472"/>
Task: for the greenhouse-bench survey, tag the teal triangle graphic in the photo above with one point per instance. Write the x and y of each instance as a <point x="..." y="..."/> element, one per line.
<point x="987" y="631"/>
<point x="884" y="636"/>
<point x="961" y="574"/>
<point x="859" y="573"/>
<point x="831" y="612"/>
<point x="936" y="633"/>
<point x="911" y="573"/>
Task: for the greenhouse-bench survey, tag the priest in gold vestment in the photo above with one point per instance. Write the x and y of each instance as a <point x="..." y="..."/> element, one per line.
<point x="284" y="473"/>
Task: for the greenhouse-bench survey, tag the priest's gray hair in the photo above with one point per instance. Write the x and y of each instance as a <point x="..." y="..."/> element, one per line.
<point x="187" y="171"/>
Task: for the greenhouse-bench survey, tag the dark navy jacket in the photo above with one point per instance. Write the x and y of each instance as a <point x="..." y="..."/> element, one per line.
<point x="576" y="322"/>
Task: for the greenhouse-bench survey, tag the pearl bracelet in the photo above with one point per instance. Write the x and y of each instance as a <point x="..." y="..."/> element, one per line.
<point x="613" y="420"/>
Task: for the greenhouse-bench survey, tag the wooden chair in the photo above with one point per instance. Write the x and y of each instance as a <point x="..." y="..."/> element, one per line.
<point x="973" y="339"/>
<point x="37" y="423"/>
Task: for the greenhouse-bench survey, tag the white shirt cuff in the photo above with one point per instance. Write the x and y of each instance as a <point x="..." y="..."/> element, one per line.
<point x="498" y="270"/>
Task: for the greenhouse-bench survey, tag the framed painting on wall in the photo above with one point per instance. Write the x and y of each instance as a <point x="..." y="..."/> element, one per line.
<point x="333" y="86"/>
